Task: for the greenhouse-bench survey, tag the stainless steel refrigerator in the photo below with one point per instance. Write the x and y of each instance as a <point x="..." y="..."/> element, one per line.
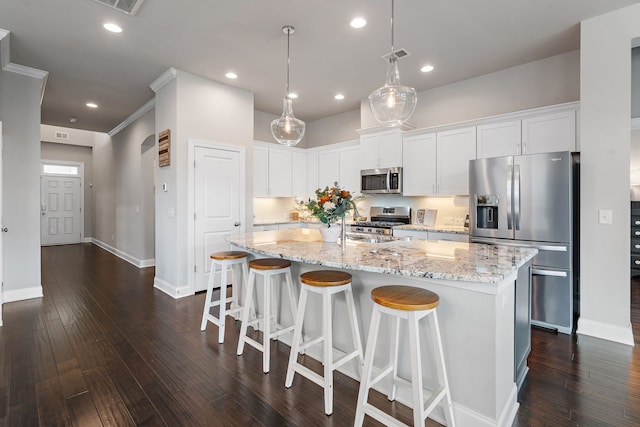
<point x="533" y="201"/>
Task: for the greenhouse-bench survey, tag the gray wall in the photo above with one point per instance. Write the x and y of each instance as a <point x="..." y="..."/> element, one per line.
<point x="20" y="117"/>
<point x="132" y="214"/>
<point x="549" y="81"/>
<point x="262" y="127"/>
<point x="333" y="129"/>
<point x="194" y="108"/>
<point x="605" y="105"/>
<point x="75" y="153"/>
<point x="635" y="82"/>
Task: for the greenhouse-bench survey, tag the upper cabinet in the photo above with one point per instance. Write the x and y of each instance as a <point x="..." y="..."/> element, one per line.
<point x="334" y="163"/>
<point x="437" y="163"/>
<point x="531" y="134"/>
<point x="350" y="168"/>
<point x="381" y="149"/>
<point x="274" y="172"/>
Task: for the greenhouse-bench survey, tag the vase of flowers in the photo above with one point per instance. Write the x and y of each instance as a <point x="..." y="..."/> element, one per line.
<point x="331" y="204"/>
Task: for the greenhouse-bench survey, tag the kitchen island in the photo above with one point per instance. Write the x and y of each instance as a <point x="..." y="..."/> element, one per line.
<point x="478" y="308"/>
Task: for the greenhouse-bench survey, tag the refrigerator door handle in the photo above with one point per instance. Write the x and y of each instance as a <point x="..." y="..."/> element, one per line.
<point x="509" y="193"/>
<point x="516" y="195"/>
<point x="541" y="272"/>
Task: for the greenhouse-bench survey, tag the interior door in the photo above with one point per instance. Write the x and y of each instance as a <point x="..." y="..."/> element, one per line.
<point x="1" y="233"/>
<point x="217" y="206"/>
<point x="60" y="221"/>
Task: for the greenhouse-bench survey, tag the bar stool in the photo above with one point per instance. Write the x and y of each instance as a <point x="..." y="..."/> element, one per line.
<point x="412" y="304"/>
<point x="267" y="268"/>
<point x="325" y="283"/>
<point x="226" y="260"/>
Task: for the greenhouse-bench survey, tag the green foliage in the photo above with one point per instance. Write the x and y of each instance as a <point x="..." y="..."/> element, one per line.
<point x="331" y="204"/>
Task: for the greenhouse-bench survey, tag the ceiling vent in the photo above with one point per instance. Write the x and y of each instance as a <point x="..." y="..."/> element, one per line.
<point x="62" y="135"/>
<point x="130" y="7"/>
<point x="400" y="53"/>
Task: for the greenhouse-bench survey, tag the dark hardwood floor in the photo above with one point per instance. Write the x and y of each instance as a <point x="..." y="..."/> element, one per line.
<point x="104" y="348"/>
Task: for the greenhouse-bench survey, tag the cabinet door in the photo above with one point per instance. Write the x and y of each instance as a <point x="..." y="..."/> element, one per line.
<point x="419" y="165"/>
<point x="350" y="169"/>
<point x="499" y="139"/>
<point x="260" y="171"/>
<point x="279" y="172"/>
<point x="299" y="174"/>
<point x="328" y="167"/>
<point x="370" y="151"/>
<point x="451" y="237"/>
<point x="390" y="150"/>
<point x="312" y="174"/>
<point x="454" y="150"/>
<point x="549" y="133"/>
<point x="414" y="234"/>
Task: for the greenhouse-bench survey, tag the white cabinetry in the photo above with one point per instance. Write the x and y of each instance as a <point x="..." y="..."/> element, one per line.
<point x="312" y="173"/>
<point x="531" y="134"/>
<point x="431" y="235"/>
<point x="438" y="163"/>
<point x="328" y="167"/>
<point x="381" y="150"/>
<point x="499" y="139"/>
<point x="548" y="133"/>
<point x="299" y="173"/>
<point x="350" y="168"/>
<point x="334" y="163"/>
<point x="272" y="171"/>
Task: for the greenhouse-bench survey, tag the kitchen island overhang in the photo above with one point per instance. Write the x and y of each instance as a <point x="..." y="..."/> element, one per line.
<point x="477" y="288"/>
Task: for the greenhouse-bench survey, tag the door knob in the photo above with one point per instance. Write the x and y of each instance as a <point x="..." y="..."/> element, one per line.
<point x="5" y="229"/>
<point x="236" y="224"/>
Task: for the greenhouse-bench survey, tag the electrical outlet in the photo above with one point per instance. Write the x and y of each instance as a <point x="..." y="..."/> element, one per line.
<point x="605" y="216"/>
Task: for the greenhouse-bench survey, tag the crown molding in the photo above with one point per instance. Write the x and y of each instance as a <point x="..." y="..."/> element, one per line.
<point x="135" y="116"/>
<point x="10" y="67"/>
<point x="165" y="78"/>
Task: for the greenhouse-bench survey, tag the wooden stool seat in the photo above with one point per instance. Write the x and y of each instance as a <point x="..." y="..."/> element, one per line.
<point x="325" y="283"/>
<point x="409" y="304"/>
<point x="267" y="268"/>
<point x="225" y="255"/>
<point x="325" y="278"/>
<point x="407" y="298"/>
<point x="225" y="260"/>
<point x="269" y="264"/>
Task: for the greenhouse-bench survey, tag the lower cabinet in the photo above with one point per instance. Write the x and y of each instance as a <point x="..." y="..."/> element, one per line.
<point x="432" y="235"/>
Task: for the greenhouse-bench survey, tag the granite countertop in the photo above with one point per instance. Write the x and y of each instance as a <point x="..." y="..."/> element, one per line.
<point x="456" y="229"/>
<point x="466" y="262"/>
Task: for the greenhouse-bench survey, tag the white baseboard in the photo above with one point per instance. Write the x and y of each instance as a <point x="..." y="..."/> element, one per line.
<point x="12" y="295"/>
<point x="140" y="263"/>
<point x="606" y="331"/>
<point x="170" y="289"/>
<point x="87" y="240"/>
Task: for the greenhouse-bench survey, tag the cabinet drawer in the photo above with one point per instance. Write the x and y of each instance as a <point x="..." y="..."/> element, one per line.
<point x="635" y="246"/>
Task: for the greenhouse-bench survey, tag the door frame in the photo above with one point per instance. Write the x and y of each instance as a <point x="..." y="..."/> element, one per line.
<point x="192" y="144"/>
<point x="80" y="174"/>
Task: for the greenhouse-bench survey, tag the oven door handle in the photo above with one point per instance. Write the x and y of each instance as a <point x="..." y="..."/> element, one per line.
<point x="541" y="272"/>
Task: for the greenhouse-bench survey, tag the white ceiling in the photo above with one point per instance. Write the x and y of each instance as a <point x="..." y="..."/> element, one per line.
<point x="461" y="38"/>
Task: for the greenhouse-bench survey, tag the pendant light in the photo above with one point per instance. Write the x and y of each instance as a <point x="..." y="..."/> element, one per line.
<point x="393" y="104"/>
<point x="287" y="130"/>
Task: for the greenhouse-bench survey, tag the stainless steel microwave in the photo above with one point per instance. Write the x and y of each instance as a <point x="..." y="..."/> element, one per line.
<point x="381" y="181"/>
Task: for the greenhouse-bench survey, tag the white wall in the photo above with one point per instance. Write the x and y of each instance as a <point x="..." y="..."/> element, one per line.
<point x="76" y="136"/>
<point x="549" y="81"/>
<point x="75" y="153"/>
<point x="605" y="105"/>
<point x="194" y="108"/>
<point x="104" y="191"/>
<point x="262" y="127"/>
<point x="130" y="212"/>
<point x="333" y="129"/>
<point x="20" y="115"/>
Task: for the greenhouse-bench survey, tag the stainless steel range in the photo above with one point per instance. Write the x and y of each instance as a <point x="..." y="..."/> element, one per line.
<point x="382" y="220"/>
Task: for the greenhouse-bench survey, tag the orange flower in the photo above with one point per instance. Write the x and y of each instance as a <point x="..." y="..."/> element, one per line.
<point x="324" y="199"/>
<point x="344" y="194"/>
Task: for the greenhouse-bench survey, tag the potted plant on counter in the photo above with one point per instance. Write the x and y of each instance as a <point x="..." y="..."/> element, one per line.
<point x="331" y="205"/>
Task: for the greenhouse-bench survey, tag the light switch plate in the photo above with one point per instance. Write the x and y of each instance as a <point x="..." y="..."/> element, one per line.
<point x="605" y="216"/>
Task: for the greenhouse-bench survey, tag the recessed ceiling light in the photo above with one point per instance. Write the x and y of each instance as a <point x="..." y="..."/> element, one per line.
<point x="231" y="75"/>
<point x="358" y="22"/>
<point x="339" y="97"/>
<point x="426" y="68"/>
<point x="110" y="26"/>
<point x="92" y="105"/>
<point x="293" y="95"/>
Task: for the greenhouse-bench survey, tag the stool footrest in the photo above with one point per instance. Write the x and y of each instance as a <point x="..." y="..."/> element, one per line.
<point x="308" y="344"/>
<point x="385" y="371"/>
<point x="382" y="417"/>
<point x="309" y="374"/>
<point x="345" y="359"/>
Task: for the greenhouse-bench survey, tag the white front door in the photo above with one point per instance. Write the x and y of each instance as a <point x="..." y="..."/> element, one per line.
<point x="217" y="206"/>
<point x="60" y="210"/>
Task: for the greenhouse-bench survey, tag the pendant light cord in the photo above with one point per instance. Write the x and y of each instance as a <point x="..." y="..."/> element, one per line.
<point x="392" y="2"/>
<point x="288" y="60"/>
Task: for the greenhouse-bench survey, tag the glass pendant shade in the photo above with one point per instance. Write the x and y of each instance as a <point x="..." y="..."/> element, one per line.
<point x="287" y="130"/>
<point x="393" y="103"/>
